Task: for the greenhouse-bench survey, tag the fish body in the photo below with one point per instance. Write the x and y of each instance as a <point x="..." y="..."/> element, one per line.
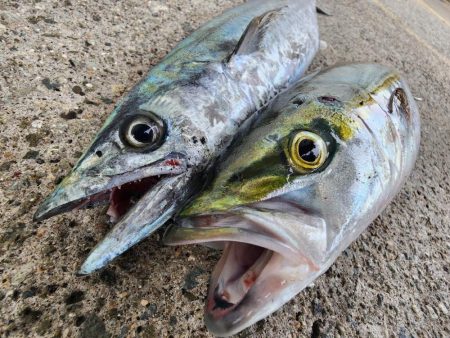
<point x="153" y="149"/>
<point x="319" y="164"/>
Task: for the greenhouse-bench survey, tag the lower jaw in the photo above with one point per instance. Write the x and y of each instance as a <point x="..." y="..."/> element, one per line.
<point x="277" y="283"/>
<point x="249" y="306"/>
<point x="235" y="274"/>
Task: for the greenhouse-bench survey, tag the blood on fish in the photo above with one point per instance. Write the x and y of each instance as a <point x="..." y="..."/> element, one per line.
<point x="250" y="279"/>
<point x="173" y="162"/>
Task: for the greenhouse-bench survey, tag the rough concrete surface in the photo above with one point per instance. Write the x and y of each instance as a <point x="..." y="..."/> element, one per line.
<point x="63" y="65"/>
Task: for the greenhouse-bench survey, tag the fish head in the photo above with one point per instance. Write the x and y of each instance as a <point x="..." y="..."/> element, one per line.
<point x="135" y="149"/>
<point x="138" y="163"/>
<point x="318" y="166"/>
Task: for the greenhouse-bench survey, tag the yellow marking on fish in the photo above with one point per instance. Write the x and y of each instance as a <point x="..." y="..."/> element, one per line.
<point x="390" y="81"/>
<point x="260" y="187"/>
<point x="180" y="235"/>
<point x="207" y="202"/>
<point x="342" y="123"/>
<point x="252" y="190"/>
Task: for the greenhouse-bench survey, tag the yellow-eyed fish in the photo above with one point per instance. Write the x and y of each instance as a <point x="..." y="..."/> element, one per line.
<point x="318" y="165"/>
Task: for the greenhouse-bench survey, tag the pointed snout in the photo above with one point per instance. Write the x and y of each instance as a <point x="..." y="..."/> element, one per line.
<point x="71" y="193"/>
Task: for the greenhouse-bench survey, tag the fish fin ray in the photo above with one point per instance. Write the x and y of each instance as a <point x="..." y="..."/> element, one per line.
<point x="253" y="34"/>
<point x="321" y="11"/>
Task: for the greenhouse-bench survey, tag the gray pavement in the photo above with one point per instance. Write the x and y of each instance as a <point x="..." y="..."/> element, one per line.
<point x="63" y="64"/>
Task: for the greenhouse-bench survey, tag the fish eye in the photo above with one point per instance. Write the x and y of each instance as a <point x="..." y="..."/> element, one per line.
<point x="307" y="152"/>
<point x="143" y="131"/>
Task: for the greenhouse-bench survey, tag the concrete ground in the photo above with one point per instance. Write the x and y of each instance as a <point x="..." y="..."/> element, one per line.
<point x="65" y="63"/>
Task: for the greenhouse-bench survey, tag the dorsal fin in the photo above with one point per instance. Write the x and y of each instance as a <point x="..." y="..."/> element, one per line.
<point x="253" y="34"/>
<point x="321" y="11"/>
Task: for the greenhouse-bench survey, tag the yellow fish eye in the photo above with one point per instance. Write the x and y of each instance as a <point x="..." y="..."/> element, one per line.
<point x="307" y="152"/>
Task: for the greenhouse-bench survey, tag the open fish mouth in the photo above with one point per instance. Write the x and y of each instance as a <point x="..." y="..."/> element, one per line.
<point x="123" y="197"/>
<point x="120" y="199"/>
<point x="121" y="191"/>
<point x="139" y="201"/>
<point x="262" y="265"/>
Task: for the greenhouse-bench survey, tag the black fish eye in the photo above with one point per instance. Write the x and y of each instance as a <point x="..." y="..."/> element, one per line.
<point x="144" y="131"/>
<point x="308" y="150"/>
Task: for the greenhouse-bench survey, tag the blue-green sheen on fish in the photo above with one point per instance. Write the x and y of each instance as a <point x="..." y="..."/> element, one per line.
<point x="163" y="137"/>
<point x="319" y="164"/>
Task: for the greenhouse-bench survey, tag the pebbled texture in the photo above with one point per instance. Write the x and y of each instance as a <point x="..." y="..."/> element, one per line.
<point x="393" y="281"/>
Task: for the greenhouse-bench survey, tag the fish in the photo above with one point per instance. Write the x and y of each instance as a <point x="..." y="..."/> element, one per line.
<point x="318" y="165"/>
<point x="161" y="140"/>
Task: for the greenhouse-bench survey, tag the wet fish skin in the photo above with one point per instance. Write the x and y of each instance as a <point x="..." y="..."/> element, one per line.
<point x="261" y="198"/>
<point x="195" y="98"/>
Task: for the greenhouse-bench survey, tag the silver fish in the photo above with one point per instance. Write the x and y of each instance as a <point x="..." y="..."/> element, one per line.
<point x="151" y="153"/>
<point x="317" y="167"/>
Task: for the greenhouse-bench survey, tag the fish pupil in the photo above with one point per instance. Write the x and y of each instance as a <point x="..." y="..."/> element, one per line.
<point x="308" y="150"/>
<point x="142" y="133"/>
